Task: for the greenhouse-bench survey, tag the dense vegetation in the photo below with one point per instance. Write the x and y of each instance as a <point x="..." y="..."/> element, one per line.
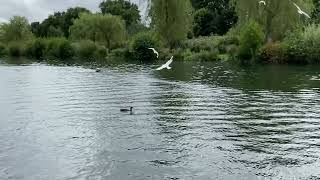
<point x="238" y="30"/>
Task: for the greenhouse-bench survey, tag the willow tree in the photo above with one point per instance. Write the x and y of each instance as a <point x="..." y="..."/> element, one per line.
<point x="171" y="19"/>
<point x="105" y="29"/>
<point x="276" y="16"/>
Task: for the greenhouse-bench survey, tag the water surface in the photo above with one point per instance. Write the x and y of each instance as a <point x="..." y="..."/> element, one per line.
<point x="202" y="120"/>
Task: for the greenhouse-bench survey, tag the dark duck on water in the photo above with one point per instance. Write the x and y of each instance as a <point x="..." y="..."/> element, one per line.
<point x="127" y="110"/>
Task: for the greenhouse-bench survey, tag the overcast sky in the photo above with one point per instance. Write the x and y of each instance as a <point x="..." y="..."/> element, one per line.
<point x="37" y="10"/>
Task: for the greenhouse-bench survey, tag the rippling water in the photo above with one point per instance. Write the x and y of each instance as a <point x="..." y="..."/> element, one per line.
<point x="198" y="121"/>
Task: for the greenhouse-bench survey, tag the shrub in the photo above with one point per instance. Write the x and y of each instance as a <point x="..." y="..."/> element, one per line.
<point x="2" y="49"/>
<point x="15" y="49"/>
<point x="59" y="48"/>
<point x="271" y="53"/>
<point x="202" y="55"/>
<point x="140" y="44"/>
<point x="85" y="49"/>
<point x="203" y="43"/>
<point x="101" y="52"/>
<point x="251" y="38"/>
<point x="303" y="47"/>
<point x="36" y="49"/>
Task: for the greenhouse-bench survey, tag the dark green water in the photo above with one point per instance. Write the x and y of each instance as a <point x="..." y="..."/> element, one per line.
<point x="197" y="121"/>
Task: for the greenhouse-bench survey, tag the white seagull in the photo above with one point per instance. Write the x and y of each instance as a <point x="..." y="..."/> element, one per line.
<point x="262" y="2"/>
<point x="166" y="65"/>
<point x="300" y="11"/>
<point x="154" y="51"/>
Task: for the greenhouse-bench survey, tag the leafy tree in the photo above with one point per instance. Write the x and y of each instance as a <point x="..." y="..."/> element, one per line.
<point x="140" y="44"/>
<point x="213" y="17"/>
<point x="57" y="23"/>
<point x="171" y="19"/>
<point x="128" y="11"/>
<point x="251" y="38"/>
<point x="276" y="17"/>
<point x="316" y="12"/>
<point x="18" y="29"/>
<point x="106" y="29"/>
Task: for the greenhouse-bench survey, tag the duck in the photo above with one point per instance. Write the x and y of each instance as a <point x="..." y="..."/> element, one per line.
<point x="98" y="70"/>
<point x="127" y="110"/>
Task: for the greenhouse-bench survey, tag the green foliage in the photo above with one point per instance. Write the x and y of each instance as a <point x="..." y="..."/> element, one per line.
<point x="36" y="49"/>
<point x="316" y="12"/>
<point x="58" y="24"/>
<point x="128" y="11"/>
<point x="2" y="49"/>
<point x="54" y="32"/>
<point x="203" y="22"/>
<point x="211" y="43"/>
<point x="140" y="44"/>
<point x="276" y="18"/>
<point x="18" y="29"/>
<point x="251" y="38"/>
<point x="271" y="53"/>
<point x="202" y="55"/>
<point x="105" y="29"/>
<point x="303" y="47"/>
<point x="85" y="49"/>
<point x="213" y="17"/>
<point x="59" y="48"/>
<point x="15" y="49"/>
<point x="172" y="20"/>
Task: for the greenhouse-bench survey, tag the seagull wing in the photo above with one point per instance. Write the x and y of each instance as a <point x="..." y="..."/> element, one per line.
<point x="169" y="62"/>
<point x="297" y="7"/>
<point x="166" y="65"/>
<point x="154" y="51"/>
<point x="160" y="68"/>
<point x="304" y="13"/>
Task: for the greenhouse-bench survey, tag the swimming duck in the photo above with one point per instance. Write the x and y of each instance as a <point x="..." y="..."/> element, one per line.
<point x="98" y="70"/>
<point x="127" y="110"/>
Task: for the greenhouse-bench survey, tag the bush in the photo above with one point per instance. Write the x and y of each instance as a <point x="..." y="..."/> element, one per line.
<point x="202" y="55"/>
<point x="36" y="49"/>
<point x="140" y="44"/>
<point x="271" y="53"/>
<point x="251" y="38"/>
<point x="85" y="49"/>
<point x="203" y="43"/>
<point x="15" y="49"/>
<point x="303" y="47"/>
<point x="59" y="48"/>
<point x="2" y="50"/>
<point x="101" y="52"/>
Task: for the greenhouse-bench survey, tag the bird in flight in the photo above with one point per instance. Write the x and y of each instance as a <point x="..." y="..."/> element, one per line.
<point x="154" y="51"/>
<point x="262" y="2"/>
<point x="300" y="11"/>
<point x="166" y="65"/>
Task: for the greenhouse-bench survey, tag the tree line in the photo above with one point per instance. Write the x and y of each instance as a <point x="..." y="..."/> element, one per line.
<point x="189" y="29"/>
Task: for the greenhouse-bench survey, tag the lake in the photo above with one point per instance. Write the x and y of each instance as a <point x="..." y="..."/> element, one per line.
<point x="201" y="120"/>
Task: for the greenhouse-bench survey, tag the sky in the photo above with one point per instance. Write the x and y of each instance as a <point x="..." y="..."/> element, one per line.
<point x="38" y="10"/>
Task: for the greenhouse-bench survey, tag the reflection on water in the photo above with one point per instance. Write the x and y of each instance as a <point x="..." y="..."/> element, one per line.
<point x="198" y="121"/>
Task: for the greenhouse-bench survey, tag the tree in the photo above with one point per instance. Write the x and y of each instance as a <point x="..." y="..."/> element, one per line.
<point x="213" y="17"/>
<point x="18" y="29"/>
<point x="106" y="29"/>
<point x="316" y="12"/>
<point x="171" y="19"/>
<point x="251" y="38"/>
<point x="276" y="17"/>
<point x="128" y="11"/>
<point x="57" y="23"/>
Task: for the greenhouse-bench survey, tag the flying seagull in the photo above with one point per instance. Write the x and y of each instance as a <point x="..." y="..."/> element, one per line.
<point x="154" y="51"/>
<point x="300" y="11"/>
<point x="166" y="65"/>
<point x="262" y="2"/>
